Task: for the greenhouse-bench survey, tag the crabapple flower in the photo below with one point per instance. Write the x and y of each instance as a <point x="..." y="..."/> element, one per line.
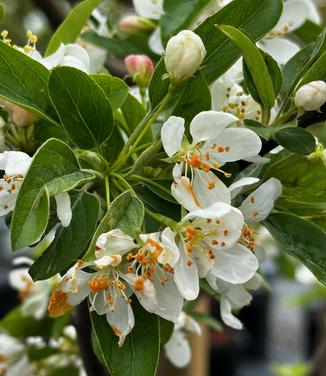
<point x="206" y="237"/>
<point x="311" y="96"/>
<point x="295" y="13"/>
<point x="141" y="68"/>
<point x="213" y="142"/>
<point x="233" y="296"/>
<point x="15" y="165"/>
<point x="177" y="349"/>
<point x="183" y="56"/>
<point x="33" y="295"/>
<point x="152" y="9"/>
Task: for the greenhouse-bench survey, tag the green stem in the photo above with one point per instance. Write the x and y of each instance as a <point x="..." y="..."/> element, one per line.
<point x="124" y="181"/>
<point x="139" y="133"/>
<point x="107" y="191"/>
<point x="266" y="114"/>
<point x="162" y="219"/>
<point x="149" y="181"/>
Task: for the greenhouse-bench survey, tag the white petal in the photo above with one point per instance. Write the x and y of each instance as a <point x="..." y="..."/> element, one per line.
<point x="171" y="134"/>
<point x="294" y="15"/>
<point x="64" y="208"/>
<point x="7" y="199"/>
<point x="114" y="242"/>
<point x="237" y="186"/>
<point x="149" y="8"/>
<point x="177" y="349"/>
<point x="107" y="261"/>
<point x="235" y="265"/>
<point x="209" y="124"/>
<point x="257" y="206"/>
<point x="144" y="290"/>
<point x="155" y="42"/>
<point x="182" y="191"/>
<point x="255" y="282"/>
<point x="19" y="278"/>
<point x="121" y="319"/>
<point x="14" y="162"/>
<point x="257" y="159"/>
<point x="170" y="302"/>
<point x="232" y="145"/>
<point x="208" y="188"/>
<point x="227" y="316"/>
<point x="78" y="52"/>
<point x="281" y="50"/>
<point x="186" y="277"/>
<point x="171" y="253"/>
<point x="203" y="262"/>
<point x="238" y="296"/>
<point x="54" y="59"/>
<point x="74" y="62"/>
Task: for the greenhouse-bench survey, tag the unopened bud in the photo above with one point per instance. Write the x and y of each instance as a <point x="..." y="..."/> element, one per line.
<point x="134" y="24"/>
<point x="311" y="96"/>
<point x="22" y="118"/>
<point x="140" y="67"/>
<point x="184" y="54"/>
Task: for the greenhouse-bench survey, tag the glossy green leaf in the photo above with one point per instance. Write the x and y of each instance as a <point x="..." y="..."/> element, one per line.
<point x="115" y="89"/>
<point x="195" y="98"/>
<point x="316" y="72"/>
<point x="166" y="329"/>
<point x="268" y="132"/>
<point x="54" y="169"/>
<point x="179" y="15"/>
<point x="70" y="242"/>
<point x="301" y="239"/>
<point x="309" y="31"/>
<point x="296" y="140"/>
<point x="133" y="112"/>
<point x="23" y="81"/>
<point x="82" y="106"/>
<point x="255" y="63"/>
<point x="72" y="26"/>
<point x="254" y="17"/>
<point x="126" y="213"/>
<point x="159" y="84"/>
<point x="300" y="63"/>
<point x="140" y="353"/>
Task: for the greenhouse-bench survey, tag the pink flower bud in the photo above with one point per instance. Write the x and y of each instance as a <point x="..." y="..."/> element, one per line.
<point x="134" y="24"/>
<point x="19" y="116"/>
<point x="140" y="67"/>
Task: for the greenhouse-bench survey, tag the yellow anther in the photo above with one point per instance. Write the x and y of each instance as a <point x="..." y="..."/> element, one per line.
<point x="4" y="34"/>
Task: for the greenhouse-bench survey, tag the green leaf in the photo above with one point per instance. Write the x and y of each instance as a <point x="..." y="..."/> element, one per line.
<point x="132" y="44"/>
<point x="54" y="169"/>
<point x="43" y="130"/>
<point x="299" y="64"/>
<point x="254" y="17"/>
<point x="316" y="72"/>
<point x="256" y="65"/>
<point x="82" y="107"/>
<point x="268" y="132"/>
<point x="140" y="353"/>
<point x="71" y="27"/>
<point x="308" y="32"/>
<point x="166" y="329"/>
<point x="296" y="140"/>
<point x="196" y="97"/>
<point x="133" y="112"/>
<point x="301" y="239"/>
<point x="159" y="84"/>
<point x="126" y="213"/>
<point x="23" y="81"/>
<point x="115" y="89"/>
<point x="179" y="15"/>
<point x="70" y="242"/>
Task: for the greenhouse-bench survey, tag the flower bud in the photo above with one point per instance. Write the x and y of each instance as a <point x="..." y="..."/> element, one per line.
<point x="184" y="54"/>
<point x="19" y="116"/>
<point x="134" y="24"/>
<point x="140" y="67"/>
<point x="311" y="96"/>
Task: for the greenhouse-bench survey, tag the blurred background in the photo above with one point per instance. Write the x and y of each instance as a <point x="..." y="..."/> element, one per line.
<point x="285" y="326"/>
